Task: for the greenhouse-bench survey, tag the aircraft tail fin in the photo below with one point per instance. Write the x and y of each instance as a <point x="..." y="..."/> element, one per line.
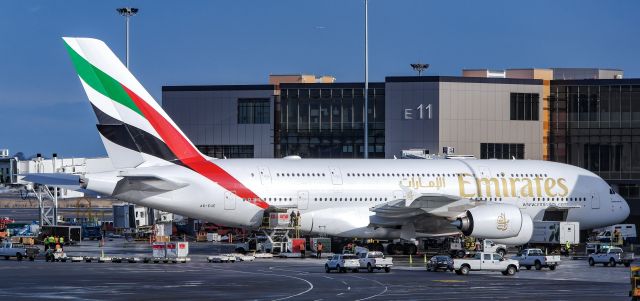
<point x="133" y="126"/>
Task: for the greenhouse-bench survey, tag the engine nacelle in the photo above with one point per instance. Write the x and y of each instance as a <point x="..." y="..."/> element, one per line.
<point x="491" y="221"/>
<point x="526" y="231"/>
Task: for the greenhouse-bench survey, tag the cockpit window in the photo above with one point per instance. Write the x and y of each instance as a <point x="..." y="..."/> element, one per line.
<point x="611" y="191"/>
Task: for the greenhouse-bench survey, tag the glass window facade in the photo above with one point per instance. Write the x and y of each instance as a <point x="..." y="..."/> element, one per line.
<point x="254" y="111"/>
<point x="326" y="121"/>
<point x="595" y="124"/>
<point x="524" y="106"/>
<point x="597" y="127"/>
<point x="227" y="151"/>
<point x="501" y="150"/>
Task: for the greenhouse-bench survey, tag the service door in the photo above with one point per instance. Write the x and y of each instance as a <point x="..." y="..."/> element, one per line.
<point x="303" y="200"/>
<point x="595" y="201"/>
<point x="265" y="176"/>
<point x="230" y="200"/>
<point x="336" y="176"/>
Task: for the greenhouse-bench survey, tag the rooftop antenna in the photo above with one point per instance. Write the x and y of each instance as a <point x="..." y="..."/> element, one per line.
<point x="419" y="68"/>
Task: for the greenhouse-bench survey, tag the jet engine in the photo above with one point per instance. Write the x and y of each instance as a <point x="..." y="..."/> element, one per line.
<point x="493" y="221"/>
<point x="526" y="231"/>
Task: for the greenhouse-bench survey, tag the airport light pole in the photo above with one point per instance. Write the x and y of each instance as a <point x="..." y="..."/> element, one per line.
<point x="127" y="12"/>
<point x="366" y="79"/>
<point x="419" y="68"/>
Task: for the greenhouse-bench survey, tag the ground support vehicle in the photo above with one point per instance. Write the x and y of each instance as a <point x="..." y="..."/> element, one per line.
<point x="9" y="249"/>
<point x="342" y="263"/>
<point x="535" y="258"/>
<point x="55" y="255"/>
<point x="634" y="293"/>
<point x="440" y="262"/>
<point x="375" y="260"/>
<point x="611" y="257"/>
<point x="486" y="262"/>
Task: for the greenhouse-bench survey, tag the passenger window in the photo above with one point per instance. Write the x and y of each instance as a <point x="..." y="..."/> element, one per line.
<point x="487" y="256"/>
<point x="496" y="257"/>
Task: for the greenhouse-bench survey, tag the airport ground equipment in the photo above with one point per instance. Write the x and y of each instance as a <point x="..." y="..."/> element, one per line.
<point x="375" y="260"/>
<point x="342" y="263"/>
<point x="483" y="261"/>
<point x="440" y="262"/>
<point x="55" y="255"/>
<point x="535" y="258"/>
<point x="223" y="258"/>
<point x="71" y="234"/>
<point x="9" y="249"/>
<point x="492" y="247"/>
<point x="634" y="293"/>
<point x="611" y="256"/>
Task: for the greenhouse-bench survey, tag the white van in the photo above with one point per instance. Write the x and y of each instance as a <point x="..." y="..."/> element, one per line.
<point x="628" y="231"/>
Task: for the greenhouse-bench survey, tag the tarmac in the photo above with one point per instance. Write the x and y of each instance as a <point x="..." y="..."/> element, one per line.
<point x="289" y="279"/>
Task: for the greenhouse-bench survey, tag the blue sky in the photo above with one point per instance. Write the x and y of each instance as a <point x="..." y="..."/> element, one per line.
<point x="240" y="42"/>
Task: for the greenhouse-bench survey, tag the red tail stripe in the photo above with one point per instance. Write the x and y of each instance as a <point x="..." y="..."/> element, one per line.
<point x="190" y="156"/>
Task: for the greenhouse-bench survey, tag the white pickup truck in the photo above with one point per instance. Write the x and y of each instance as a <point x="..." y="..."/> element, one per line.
<point x="486" y="262"/>
<point x="19" y="251"/>
<point x="535" y="258"/>
<point x="375" y="260"/>
<point x="611" y="257"/>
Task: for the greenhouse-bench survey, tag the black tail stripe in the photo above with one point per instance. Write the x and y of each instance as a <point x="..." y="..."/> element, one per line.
<point x="104" y="118"/>
<point x="137" y="140"/>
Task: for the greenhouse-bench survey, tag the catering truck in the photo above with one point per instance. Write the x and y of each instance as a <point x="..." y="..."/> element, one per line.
<point x="486" y="262"/>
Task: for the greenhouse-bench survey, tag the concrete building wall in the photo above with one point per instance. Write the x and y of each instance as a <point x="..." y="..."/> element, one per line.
<point x="475" y="113"/>
<point x="586" y="73"/>
<point x="211" y="117"/>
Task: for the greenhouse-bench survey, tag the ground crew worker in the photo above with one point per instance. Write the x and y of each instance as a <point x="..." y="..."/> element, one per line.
<point x="62" y="243"/>
<point x="292" y="216"/>
<point x="302" y="250"/>
<point x="51" y="242"/>
<point x="298" y="219"/>
<point x="319" y="247"/>
<point x="56" y="242"/>
<point x="567" y="247"/>
<point x="45" y="240"/>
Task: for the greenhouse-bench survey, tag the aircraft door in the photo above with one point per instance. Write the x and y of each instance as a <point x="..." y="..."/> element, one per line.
<point x="230" y="200"/>
<point x="595" y="200"/>
<point x="265" y="175"/>
<point x="303" y="200"/>
<point x="336" y="176"/>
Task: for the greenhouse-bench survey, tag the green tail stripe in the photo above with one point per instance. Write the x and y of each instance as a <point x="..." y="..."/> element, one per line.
<point x="101" y="81"/>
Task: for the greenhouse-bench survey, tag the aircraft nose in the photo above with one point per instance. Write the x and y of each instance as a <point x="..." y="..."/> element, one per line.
<point x="620" y="209"/>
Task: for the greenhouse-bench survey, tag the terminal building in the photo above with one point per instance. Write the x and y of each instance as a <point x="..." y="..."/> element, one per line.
<point x="587" y="117"/>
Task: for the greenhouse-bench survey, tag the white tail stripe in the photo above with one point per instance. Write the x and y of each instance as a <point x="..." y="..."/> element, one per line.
<point x="118" y="111"/>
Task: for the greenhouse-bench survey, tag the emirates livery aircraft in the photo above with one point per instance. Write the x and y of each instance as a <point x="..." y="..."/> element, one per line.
<point x="157" y="166"/>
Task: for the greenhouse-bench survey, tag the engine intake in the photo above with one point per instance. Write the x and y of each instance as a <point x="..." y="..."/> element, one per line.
<point x="492" y="221"/>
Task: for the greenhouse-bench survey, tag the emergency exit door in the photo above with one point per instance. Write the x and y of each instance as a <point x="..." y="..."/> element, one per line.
<point x="303" y="200"/>
<point x="595" y="201"/>
<point x="336" y="176"/>
<point x="230" y="200"/>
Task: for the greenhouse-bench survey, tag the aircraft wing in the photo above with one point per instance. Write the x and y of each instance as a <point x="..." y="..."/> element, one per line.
<point x="63" y="180"/>
<point x="418" y="203"/>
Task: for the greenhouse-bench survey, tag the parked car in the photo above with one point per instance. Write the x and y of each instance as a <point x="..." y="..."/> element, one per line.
<point x="483" y="261"/>
<point x="342" y="263"/>
<point x="440" y="262"/>
<point x="375" y="260"/>
<point x="19" y="251"/>
<point x="535" y="258"/>
<point x="611" y="257"/>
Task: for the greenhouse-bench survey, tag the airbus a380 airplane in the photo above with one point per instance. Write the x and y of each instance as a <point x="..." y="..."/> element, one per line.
<point x="158" y="167"/>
